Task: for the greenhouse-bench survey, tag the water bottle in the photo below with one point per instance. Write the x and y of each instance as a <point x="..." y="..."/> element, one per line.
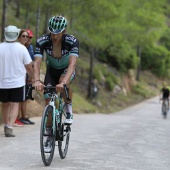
<point x="57" y="115"/>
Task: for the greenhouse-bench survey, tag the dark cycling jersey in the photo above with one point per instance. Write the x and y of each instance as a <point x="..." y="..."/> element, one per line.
<point x="70" y="46"/>
<point x="165" y="93"/>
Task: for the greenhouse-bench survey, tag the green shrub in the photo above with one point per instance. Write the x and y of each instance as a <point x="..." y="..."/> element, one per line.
<point x="139" y="90"/>
<point x="109" y="83"/>
<point x="102" y="71"/>
<point x="156" y="59"/>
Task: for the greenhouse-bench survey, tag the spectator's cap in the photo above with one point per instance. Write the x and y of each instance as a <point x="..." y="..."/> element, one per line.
<point x="29" y="32"/>
<point x="11" y="33"/>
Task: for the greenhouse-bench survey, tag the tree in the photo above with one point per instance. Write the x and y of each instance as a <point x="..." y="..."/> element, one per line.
<point x="4" y="12"/>
<point x="18" y="8"/>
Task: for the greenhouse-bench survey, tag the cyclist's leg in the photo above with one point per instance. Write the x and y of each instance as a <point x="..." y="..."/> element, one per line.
<point x="70" y="90"/>
<point x="49" y="80"/>
<point x="167" y="104"/>
<point x="68" y="84"/>
<point x="69" y="118"/>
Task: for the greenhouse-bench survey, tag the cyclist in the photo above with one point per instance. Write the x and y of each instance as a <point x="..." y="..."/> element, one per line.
<point x="164" y="93"/>
<point x="62" y="51"/>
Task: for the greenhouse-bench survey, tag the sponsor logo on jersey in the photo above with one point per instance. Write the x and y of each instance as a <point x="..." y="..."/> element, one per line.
<point x="64" y="52"/>
<point x="42" y="39"/>
<point x="37" y="49"/>
<point x="71" y="38"/>
<point x="75" y="49"/>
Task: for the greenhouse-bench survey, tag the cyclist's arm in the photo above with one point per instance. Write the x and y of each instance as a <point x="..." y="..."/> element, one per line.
<point x="74" y="52"/>
<point x="70" y="69"/>
<point x="37" y="66"/>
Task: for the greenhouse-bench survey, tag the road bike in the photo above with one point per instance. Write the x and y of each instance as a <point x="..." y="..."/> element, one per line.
<point x="165" y="107"/>
<point x="53" y="129"/>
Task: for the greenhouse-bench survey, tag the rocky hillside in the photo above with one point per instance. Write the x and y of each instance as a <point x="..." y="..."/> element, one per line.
<point x="126" y="92"/>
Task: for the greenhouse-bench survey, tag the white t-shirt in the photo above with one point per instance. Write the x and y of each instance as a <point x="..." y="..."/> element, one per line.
<point x="13" y="58"/>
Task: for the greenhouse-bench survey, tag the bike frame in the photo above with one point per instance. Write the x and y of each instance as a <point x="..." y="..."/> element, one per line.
<point x="56" y="112"/>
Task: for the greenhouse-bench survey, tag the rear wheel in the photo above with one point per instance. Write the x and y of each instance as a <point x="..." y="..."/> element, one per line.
<point x="64" y="132"/>
<point x="47" y="136"/>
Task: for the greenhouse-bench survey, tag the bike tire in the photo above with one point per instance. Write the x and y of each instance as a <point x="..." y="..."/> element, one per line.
<point x="47" y="157"/>
<point x="64" y="132"/>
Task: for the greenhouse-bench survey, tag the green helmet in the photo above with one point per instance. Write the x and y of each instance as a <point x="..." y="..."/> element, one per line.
<point x="57" y="24"/>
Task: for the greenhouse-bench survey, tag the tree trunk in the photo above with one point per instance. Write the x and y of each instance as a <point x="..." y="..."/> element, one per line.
<point x="4" y="10"/>
<point x="139" y="65"/>
<point x="89" y="95"/>
<point x="18" y="8"/>
<point x="71" y="16"/>
<point x="26" y="19"/>
<point x="46" y="21"/>
<point x="38" y="22"/>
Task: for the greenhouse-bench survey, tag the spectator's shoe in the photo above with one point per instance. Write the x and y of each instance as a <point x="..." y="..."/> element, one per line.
<point x="18" y="123"/>
<point x="69" y="119"/>
<point x="26" y="121"/>
<point x="9" y="132"/>
<point x="5" y="129"/>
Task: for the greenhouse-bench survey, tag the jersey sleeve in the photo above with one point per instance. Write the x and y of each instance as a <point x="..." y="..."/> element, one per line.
<point x="75" y="48"/>
<point x="38" y="49"/>
<point x="40" y="45"/>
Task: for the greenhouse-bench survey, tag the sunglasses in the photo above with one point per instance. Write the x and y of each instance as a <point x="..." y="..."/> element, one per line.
<point x="24" y="36"/>
<point x="30" y="37"/>
<point x="55" y="31"/>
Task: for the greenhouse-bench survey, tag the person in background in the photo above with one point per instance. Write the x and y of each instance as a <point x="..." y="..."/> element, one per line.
<point x="14" y="62"/>
<point x="23" y="106"/>
<point x="94" y="88"/>
<point x="164" y="93"/>
<point x="24" y="39"/>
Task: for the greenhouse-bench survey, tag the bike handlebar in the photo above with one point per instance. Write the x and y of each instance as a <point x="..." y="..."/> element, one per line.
<point x="48" y="88"/>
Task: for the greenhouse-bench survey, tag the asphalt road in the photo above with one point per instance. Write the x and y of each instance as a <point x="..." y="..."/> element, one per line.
<point x="137" y="138"/>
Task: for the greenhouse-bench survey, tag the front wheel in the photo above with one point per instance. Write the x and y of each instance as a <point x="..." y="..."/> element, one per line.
<point x="47" y="136"/>
<point x="64" y="132"/>
<point x="164" y="110"/>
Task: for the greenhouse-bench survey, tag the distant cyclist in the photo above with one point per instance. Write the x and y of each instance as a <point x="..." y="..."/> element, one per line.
<point x="164" y="93"/>
<point x="62" y="51"/>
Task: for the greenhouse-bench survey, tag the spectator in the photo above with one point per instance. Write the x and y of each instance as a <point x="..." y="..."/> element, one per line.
<point x="14" y="62"/>
<point x="25" y="38"/>
<point x="22" y="38"/>
<point x="94" y="89"/>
